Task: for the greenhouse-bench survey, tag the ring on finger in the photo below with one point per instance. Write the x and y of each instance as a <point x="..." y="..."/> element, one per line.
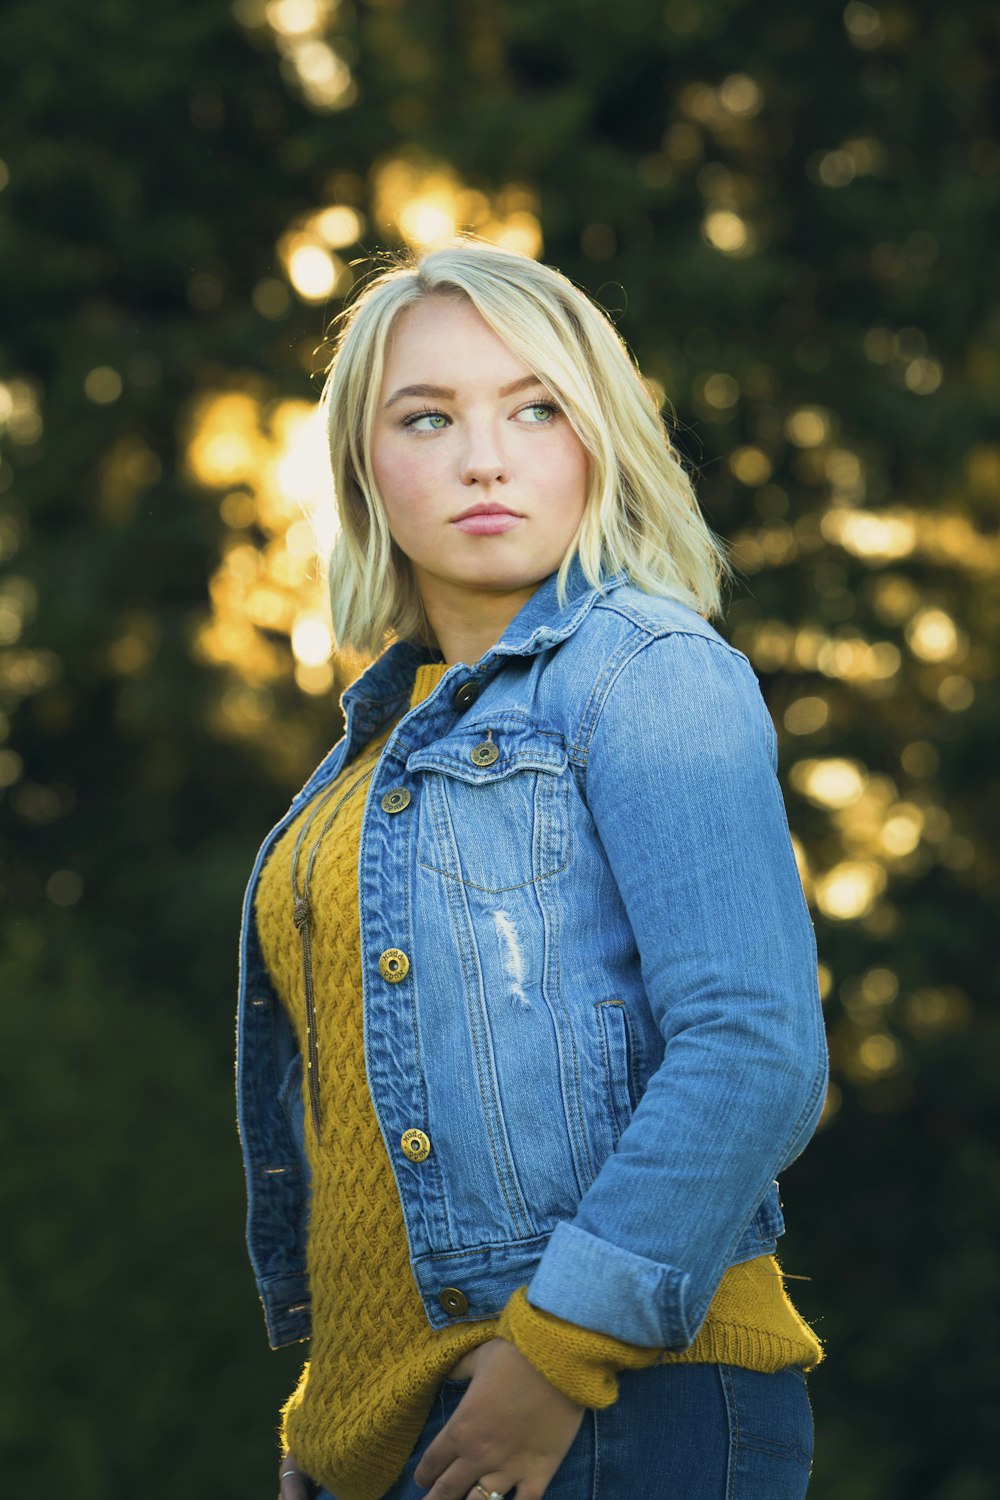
<point x="489" y="1494"/>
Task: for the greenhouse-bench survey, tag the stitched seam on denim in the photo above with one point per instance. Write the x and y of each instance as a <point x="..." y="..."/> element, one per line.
<point x="577" y="1121"/>
<point x="774" y="1448"/>
<point x="642" y="646"/>
<point x="660" y="628"/>
<point x="506" y="1175"/>
<point x="620" y="656"/>
<point x="424" y="1184"/>
<point x="733" y="1419"/>
<point x="505" y="1246"/>
<point x="512" y="760"/>
<point x="595" y="1493"/>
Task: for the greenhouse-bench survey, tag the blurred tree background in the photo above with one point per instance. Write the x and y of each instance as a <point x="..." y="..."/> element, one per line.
<point x="791" y="213"/>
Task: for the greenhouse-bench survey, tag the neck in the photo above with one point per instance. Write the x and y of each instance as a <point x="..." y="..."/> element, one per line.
<point x="465" y="628"/>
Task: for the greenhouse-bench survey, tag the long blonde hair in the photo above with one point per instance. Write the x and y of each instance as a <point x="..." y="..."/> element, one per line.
<point x="641" y="512"/>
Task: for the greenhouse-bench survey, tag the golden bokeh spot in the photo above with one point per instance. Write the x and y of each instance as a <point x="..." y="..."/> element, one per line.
<point x="426" y="204"/>
<point x="270" y="298"/>
<point x="894" y="598"/>
<point x="103" y="385"/>
<point x="300" y="30"/>
<point x="864" y="25"/>
<point x="879" y="986"/>
<point x="932" y="635"/>
<point x="850" y="889"/>
<point x="806" y="715"/>
<point x="832" y="783"/>
<point x="835" y="168"/>
<point x="719" y="391"/>
<point x="923" y="375"/>
<point x="683" y="143"/>
<point x="11" y="767"/>
<point x="312" y="640"/>
<point x="877" y="1055"/>
<point x="930" y="1011"/>
<point x="725" y="230"/>
<point x="741" y="95"/>
<point x="808" y="427"/>
<point x="886" y="535"/>
<point x="900" y="833"/>
<point x="955" y="693"/>
<point x="920" y="758"/>
<point x="338" y="226"/>
<point x="269" y="585"/>
<point x="845" y="473"/>
<point x="957" y="852"/>
<point x="316" y="680"/>
<point x="751" y="466"/>
<point x="313" y="269"/>
<point x="294" y="18"/>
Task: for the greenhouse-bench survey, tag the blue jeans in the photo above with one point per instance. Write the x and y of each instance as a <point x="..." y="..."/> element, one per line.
<point x="681" y="1432"/>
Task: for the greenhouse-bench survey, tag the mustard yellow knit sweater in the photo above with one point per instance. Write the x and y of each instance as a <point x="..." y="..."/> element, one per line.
<point x="375" y="1363"/>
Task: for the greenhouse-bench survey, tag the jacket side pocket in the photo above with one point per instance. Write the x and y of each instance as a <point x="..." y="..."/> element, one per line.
<point x="619" y="1062"/>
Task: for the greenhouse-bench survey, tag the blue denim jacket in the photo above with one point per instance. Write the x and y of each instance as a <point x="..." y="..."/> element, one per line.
<point x="610" y="1027"/>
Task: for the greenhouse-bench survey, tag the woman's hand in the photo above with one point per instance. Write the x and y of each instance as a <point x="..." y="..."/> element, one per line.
<point x="512" y="1427"/>
<point x="292" y="1483"/>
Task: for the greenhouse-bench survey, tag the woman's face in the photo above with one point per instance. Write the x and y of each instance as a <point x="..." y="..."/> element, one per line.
<point x="483" y="479"/>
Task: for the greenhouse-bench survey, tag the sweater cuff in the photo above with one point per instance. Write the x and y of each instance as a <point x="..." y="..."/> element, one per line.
<point x="580" y="1363"/>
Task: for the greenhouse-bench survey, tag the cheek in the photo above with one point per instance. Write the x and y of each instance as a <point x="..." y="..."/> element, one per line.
<point x="569" y="477"/>
<point x="403" y="483"/>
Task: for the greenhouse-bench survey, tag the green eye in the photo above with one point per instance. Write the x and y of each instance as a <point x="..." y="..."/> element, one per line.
<point x="542" y="413"/>
<point x="437" y="419"/>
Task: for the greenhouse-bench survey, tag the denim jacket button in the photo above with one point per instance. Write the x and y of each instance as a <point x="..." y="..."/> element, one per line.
<point x="416" y="1145"/>
<point x="396" y="800"/>
<point x="393" y="965"/>
<point x="466" y="695"/>
<point x="484" y="754"/>
<point x="453" y="1301"/>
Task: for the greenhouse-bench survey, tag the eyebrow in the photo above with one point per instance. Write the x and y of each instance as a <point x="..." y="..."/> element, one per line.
<point x="442" y="393"/>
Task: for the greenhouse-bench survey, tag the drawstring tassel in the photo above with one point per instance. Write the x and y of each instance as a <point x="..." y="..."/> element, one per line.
<point x="303" y="921"/>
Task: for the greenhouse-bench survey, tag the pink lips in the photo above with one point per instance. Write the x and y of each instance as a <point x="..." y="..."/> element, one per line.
<point x="486" y="521"/>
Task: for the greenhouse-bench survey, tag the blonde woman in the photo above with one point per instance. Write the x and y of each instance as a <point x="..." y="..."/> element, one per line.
<point x="528" y="1014"/>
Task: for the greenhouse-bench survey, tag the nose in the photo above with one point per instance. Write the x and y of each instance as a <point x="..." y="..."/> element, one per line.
<point x="483" y="461"/>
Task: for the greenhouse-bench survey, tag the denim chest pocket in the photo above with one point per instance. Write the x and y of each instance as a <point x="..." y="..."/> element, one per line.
<point x="494" y="806"/>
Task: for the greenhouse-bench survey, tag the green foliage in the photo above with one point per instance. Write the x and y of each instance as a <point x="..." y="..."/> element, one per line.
<point x="156" y="156"/>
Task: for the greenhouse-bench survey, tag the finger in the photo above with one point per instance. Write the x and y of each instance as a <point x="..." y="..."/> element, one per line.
<point x="438" y="1456"/>
<point x="458" y="1481"/>
<point x="292" y="1483"/>
<point x="492" y="1484"/>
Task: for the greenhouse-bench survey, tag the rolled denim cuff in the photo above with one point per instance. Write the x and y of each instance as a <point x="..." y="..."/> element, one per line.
<point x="596" y="1285"/>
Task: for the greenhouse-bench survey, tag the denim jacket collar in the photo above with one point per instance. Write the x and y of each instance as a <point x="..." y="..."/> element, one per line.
<point x="538" y="624"/>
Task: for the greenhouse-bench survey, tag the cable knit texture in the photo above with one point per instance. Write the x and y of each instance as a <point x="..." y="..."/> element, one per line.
<point x="375" y="1363"/>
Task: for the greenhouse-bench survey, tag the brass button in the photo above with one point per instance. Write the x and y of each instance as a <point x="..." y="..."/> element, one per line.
<point x="416" y="1146"/>
<point x="484" y="754"/>
<point x="396" y="800"/>
<point x="393" y="965"/>
<point x="453" y="1301"/>
<point x="466" y="695"/>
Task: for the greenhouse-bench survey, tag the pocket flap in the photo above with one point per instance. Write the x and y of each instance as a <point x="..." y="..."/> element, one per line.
<point x="520" y="747"/>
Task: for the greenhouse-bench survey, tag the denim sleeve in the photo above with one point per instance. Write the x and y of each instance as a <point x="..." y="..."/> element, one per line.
<point x="681" y="783"/>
